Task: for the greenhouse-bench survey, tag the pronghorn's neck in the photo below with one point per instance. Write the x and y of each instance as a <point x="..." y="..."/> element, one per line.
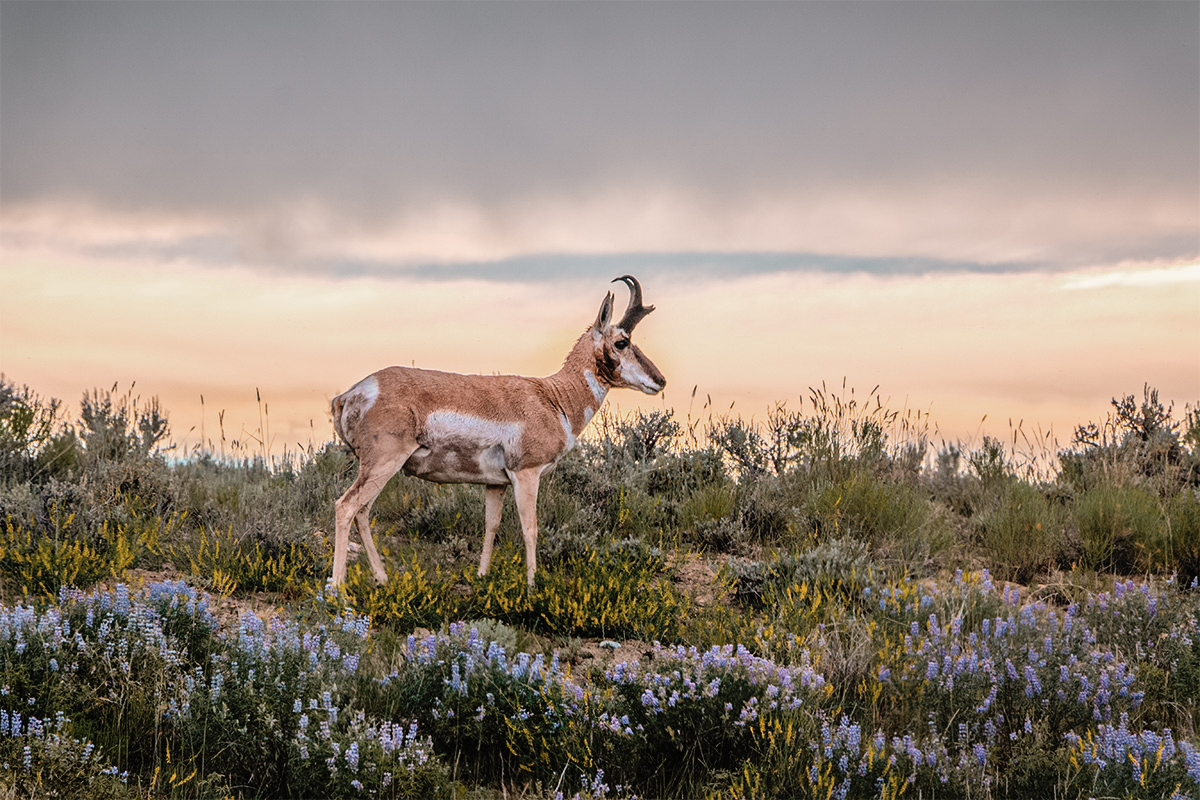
<point x="577" y="388"/>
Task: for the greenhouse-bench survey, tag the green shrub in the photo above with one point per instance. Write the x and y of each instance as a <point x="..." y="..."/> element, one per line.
<point x="1182" y="539"/>
<point x="707" y="520"/>
<point x="989" y="462"/>
<point x="841" y="567"/>
<point x="36" y="443"/>
<point x="618" y="592"/>
<point x="225" y="564"/>
<point x="870" y="509"/>
<point x="39" y="562"/>
<point x="675" y="474"/>
<point x="1120" y="529"/>
<point x="640" y="437"/>
<point x="1024" y="533"/>
<point x="713" y="502"/>
<point x="773" y="510"/>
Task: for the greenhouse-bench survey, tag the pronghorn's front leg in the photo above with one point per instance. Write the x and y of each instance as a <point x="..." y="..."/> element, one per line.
<point x="493" y="503"/>
<point x="525" y="491"/>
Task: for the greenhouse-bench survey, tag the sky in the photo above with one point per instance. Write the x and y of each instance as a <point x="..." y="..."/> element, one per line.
<point x="989" y="210"/>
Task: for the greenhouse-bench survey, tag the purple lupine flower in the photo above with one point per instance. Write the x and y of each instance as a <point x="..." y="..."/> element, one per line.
<point x="1032" y="684"/>
<point x="1191" y="756"/>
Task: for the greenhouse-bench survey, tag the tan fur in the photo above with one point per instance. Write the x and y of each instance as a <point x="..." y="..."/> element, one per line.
<point x="490" y="429"/>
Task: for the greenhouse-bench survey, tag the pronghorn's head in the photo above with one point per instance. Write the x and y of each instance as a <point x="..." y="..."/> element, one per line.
<point x="619" y="362"/>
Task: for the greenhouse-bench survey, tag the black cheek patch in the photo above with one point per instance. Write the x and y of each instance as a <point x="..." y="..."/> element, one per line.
<point x="606" y="367"/>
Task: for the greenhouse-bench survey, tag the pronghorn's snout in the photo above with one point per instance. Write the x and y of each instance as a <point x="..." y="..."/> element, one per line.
<point x="642" y="374"/>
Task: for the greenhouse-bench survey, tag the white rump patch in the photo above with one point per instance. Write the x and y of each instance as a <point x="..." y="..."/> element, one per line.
<point x="365" y="392"/>
<point x="355" y="403"/>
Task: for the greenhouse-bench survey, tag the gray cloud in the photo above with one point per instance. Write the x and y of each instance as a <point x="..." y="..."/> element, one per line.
<point x="381" y="109"/>
<point x="558" y="267"/>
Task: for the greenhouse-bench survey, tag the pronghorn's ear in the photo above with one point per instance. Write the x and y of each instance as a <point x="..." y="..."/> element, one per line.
<point x="604" y="318"/>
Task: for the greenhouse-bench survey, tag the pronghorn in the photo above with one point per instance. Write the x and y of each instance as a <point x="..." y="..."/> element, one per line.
<point x="490" y="429"/>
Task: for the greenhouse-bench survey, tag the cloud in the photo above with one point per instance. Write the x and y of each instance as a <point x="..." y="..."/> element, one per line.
<point x="1139" y="278"/>
<point x="309" y="244"/>
<point x="309" y="136"/>
<point x="663" y="234"/>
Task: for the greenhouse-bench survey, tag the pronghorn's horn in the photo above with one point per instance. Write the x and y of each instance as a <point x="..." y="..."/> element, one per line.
<point x="635" y="311"/>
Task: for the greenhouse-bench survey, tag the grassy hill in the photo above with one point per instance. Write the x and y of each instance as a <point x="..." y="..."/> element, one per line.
<point x="820" y="605"/>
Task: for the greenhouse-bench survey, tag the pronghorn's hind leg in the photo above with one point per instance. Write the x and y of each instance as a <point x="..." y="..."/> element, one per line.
<point x="493" y="504"/>
<point x="374" y="471"/>
<point x="363" y="522"/>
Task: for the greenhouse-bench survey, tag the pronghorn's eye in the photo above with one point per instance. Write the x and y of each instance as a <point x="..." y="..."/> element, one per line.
<point x="621" y="344"/>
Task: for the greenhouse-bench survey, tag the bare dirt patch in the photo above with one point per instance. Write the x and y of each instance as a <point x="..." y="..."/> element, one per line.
<point x="696" y="579"/>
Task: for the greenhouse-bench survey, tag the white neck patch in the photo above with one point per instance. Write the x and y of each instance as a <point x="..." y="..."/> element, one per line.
<point x="566" y="423"/>
<point x="598" y="391"/>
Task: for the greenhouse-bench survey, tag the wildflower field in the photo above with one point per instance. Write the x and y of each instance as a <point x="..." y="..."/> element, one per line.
<point x="824" y="604"/>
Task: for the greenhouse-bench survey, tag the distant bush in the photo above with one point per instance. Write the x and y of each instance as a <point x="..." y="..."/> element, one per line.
<point x="895" y="519"/>
<point x="1182" y="538"/>
<point x="1120" y="529"/>
<point x="36" y="444"/>
<point x="1139" y="444"/>
<point x="842" y="567"/>
<point x="1024" y="534"/>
